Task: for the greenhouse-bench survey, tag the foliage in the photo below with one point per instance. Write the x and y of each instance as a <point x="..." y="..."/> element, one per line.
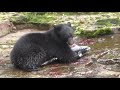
<point x="87" y="24"/>
<point x="95" y="33"/>
<point x="36" y="17"/>
<point x="108" y="22"/>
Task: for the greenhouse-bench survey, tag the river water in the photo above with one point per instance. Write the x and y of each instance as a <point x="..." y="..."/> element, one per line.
<point x="79" y="69"/>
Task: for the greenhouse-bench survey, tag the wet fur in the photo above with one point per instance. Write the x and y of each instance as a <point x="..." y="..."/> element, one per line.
<point x="32" y="50"/>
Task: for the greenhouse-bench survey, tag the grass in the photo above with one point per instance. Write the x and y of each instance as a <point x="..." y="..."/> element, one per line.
<point x="109" y="22"/>
<point x="82" y="21"/>
<point x="46" y="17"/>
<point x="34" y="18"/>
<point x="95" y="33"/>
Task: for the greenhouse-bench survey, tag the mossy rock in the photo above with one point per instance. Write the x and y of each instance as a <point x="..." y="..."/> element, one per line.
<point x="109" y="22"/>
<point x="94" y="33"/>
<point x="39" y="26"/>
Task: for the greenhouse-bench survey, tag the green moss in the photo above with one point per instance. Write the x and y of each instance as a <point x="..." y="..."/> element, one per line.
<point x="36" y="17"/>
<point x="104" y="31"/>
<point x="95" y="33"/>
<point x="108" y="22"/>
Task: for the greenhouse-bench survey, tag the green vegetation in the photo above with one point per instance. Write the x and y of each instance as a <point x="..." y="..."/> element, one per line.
<point x="46" y="17"/>
<point x="89" y="24"/>
<point x="95" y="33"/>
<point x="108" y="22"/>
<point x="36" y="17"/>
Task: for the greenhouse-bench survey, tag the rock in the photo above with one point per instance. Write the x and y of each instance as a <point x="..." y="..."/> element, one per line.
<point x="6" y="27"/>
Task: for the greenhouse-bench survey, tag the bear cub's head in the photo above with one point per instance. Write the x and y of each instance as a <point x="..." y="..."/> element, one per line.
<point x="65" y="33"/>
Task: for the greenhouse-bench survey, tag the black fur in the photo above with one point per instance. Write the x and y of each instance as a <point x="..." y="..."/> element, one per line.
<point x="33" y="49"/>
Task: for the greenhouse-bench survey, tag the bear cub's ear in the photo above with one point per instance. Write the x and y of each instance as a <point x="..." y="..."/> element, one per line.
<point x="69" y="24"/>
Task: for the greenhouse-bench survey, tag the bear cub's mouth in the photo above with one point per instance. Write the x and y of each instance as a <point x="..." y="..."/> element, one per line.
<point x="70" y="41"/>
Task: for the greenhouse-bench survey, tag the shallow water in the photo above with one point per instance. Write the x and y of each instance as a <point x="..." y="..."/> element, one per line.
<point x="79" y="69"/>
<point x="109" y="43"/>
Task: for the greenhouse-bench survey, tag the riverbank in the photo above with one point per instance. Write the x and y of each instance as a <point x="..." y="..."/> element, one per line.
<point x="87" y="24"/>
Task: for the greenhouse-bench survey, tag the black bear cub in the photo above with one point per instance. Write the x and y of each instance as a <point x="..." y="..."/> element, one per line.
<point x="33" y="49"/>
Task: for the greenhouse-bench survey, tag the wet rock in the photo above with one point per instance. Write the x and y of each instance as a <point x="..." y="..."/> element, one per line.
<point x="109" y="61"/>
<point x="39" y="26"/>
<point x="6" y="27"/>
